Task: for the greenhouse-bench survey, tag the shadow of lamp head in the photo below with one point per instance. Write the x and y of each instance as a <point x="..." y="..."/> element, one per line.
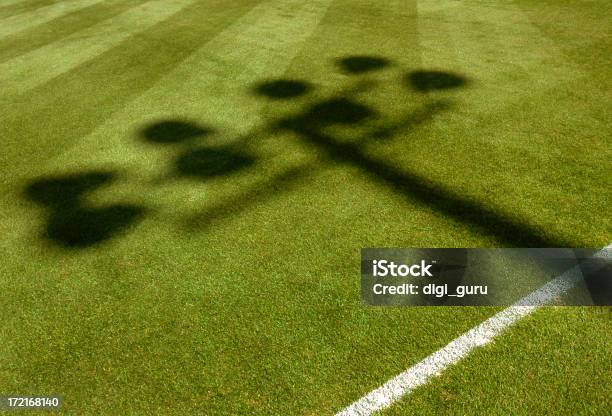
<point x="206" y="163"/>
<point x="354" y="65"/>
<point x="173" y="131"/>
<point x="66" y="190"/>
<point x="82" y="227"/>
<point x="282" y="89"/>
<point x="334" y="111"/>
<point x="427" y="81"/>
<point x="72" y="223"/>
<point x="338" y="111"/>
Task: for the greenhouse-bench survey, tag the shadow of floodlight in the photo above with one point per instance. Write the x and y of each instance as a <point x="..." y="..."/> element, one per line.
<point x="196" y="161"/>
<point x="173" y="132"/>
<point x="309" y="125"/>
<point x="205" y="163"/>
<point x="421" y="190"/>
<point x="259" y="193"/>
<point x="361" y="64"/>
<point x="282" y="89"/>
<point x="337" y="110"/>
<point x="427" y="81"/>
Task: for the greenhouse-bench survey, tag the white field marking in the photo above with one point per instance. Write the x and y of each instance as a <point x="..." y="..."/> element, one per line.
<point x="460" y="347"/>
<point x="26" y="20"/>
<point x="32" y="69"/>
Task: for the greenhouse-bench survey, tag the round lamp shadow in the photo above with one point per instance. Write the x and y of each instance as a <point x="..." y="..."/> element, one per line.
<point x="282" y="89"/>
<point x="173" y="131"/>
<point x="426" y="81"/>
<point x="207" y="163"/>
<point x="362" y="64"/>
<point x="339" y="111"/>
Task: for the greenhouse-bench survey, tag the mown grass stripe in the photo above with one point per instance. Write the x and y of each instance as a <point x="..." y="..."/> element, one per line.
<point x="525" y="71"/>
<point x="261" y="44"/>
<point x="37" y="67"/>
<point x="213" y="83"/>
<point x="25" y="41"/>
<point x="39" y="125"/>
<point x="6" y="3"/>
<point x="26" y="20"/>
<point x="12" y="8"/>
<point x="518" y="45"/>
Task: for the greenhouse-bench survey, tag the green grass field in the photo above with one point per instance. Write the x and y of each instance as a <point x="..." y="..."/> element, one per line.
<point x="187" y="184"/>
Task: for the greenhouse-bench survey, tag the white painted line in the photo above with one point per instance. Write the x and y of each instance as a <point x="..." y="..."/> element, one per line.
<point x="460" y="347"/>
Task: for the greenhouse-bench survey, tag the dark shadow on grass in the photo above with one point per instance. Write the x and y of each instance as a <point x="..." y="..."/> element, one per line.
<point x="195" y="161"/>
<point x="282" y="89"/>
<point x="173" y="132"/>
<point x="260" y="193"/>
<point x="347" y="110"/>
<point x="308" y="126"/>
<point x="419" y="116"/>
<point x="340" y="110"/>
<point x="427" y="81"/>
<point x="361" y="64"/>
<point x="71" y="222"/>
<point x="419" y="189"/>
<point x="206" y="163"/>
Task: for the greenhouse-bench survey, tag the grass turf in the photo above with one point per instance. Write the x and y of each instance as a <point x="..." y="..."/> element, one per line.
<point x="187" y="185"/>
<point x="557" y="353"/>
